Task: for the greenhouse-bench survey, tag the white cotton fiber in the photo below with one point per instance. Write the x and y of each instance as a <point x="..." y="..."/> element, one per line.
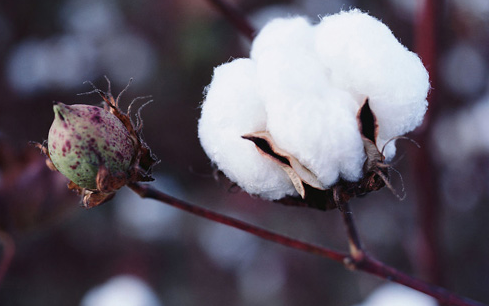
<point x="365" y="57"/>
<point x="304" y="84"/>
<point x="232" y="109"/>
<point x="305" y="116"/>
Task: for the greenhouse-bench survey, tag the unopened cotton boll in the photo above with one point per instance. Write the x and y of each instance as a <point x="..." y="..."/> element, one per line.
<point x="304" y="85"/>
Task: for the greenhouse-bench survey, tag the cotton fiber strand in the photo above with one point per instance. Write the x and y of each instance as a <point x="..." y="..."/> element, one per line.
<point x="304" y="84"/>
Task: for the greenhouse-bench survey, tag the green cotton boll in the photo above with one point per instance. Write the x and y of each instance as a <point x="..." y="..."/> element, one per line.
<point x="83" y="137"/>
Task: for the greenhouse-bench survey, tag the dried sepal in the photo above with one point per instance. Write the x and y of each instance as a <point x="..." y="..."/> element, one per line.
<point x="298" y="174"/>
<point x="369" y="130"/>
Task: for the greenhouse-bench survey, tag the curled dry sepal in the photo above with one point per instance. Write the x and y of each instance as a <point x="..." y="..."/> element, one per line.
<point x="98" y="149"/>
<point x="314" y="112"/>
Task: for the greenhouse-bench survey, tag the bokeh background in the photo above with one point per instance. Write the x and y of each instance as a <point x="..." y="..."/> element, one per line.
<point x="140" y="252"/>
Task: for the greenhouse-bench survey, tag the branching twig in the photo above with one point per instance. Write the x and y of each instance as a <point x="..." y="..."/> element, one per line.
<point x="8" y="253"/>
<point x="358" y="260"/>
<point x="235" y="17"/>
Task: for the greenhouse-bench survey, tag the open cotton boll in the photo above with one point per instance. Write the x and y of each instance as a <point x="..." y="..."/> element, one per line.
<point x="303" y="88"/>
<point x="232" y="109"/>
<point x="364" y="57"/>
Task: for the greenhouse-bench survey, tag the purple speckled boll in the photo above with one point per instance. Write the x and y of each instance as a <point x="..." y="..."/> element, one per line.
<point x="84" y="137"/>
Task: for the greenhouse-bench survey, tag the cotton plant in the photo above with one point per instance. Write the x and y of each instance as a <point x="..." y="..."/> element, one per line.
<point x="313" y="112"/>
<point x="314" y="105"/>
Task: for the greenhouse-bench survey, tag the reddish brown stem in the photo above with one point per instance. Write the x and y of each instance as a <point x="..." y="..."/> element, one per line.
<point x="359" y="261"/>
<point x="235" y="17"/>
<point x="428" y="203"/>
<point x="444" y="296"/>
<point x="147" y="191"/>
<point x="8" y="253"/>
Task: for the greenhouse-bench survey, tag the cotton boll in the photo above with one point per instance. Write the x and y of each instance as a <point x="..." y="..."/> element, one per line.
<point x="365" y="57"/>
<point x="304" y="85"/>
<point x="232" y="109"/>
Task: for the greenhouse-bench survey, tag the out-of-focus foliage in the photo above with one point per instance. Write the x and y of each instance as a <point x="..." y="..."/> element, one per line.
<point x="49" y="48"/>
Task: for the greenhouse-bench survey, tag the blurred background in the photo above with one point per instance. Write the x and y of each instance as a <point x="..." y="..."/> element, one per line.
<point x="140" y="252"/>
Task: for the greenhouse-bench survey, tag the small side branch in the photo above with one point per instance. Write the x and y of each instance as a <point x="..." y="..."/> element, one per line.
<point x="235" y="17"/>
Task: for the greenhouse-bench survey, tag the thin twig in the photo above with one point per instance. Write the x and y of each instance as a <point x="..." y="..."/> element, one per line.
<point x="8" y="253"/>
<point x="363" y="263"/>
<point x="235" y="17"/>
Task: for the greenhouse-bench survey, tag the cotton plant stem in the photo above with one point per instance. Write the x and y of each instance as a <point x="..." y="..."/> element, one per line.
<point x="428" y="253"/>
<point x="360" y="260"/>
<point x="146" y="191"/>
<point x="356" y="261"/>
<point x="8" y="245"/>
<point x="235" y="17"/>
<point x="445" y="297"/>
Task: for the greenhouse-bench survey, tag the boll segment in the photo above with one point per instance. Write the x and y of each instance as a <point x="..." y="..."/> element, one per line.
<point x="309" y="88"/>
<point x="83" y="137"/>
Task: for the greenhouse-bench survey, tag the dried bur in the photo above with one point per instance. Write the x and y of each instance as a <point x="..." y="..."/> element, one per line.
<point x="98" y="149"/>
<point x="312" y="193"/>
